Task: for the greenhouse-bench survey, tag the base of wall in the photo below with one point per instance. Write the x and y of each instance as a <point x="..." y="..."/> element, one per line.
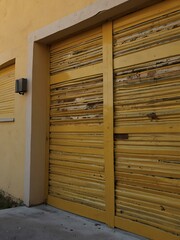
<point x="15" y="201"/>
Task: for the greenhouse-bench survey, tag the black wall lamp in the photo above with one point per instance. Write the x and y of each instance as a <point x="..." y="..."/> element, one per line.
<point x="21" y="86"/>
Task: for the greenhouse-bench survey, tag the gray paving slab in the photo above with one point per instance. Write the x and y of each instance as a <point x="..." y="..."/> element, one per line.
<point x="48" y="223"/>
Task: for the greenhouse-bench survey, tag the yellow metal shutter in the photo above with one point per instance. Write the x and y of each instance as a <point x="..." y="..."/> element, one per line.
<point x="7" y="82"/>
<point x="145" y="66"/>
<point x="147" y="123"/>
<point x="76" y="162"/>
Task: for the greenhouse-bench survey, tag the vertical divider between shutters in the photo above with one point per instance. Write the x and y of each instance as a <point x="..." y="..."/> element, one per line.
<point x="108" y="122"/>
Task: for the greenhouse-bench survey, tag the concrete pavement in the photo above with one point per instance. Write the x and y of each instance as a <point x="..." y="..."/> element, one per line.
<point x="47" y="223"/>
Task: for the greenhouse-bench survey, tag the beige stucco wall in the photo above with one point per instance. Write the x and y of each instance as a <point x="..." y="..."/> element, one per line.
<point x="18" y="18"/>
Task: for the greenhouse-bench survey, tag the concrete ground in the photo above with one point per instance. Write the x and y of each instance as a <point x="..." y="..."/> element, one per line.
<point x="48" y="223"/>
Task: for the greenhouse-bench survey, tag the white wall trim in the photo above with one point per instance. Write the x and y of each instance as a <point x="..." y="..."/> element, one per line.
<point x="28" y="126"/>
<point x="97" y="13"/>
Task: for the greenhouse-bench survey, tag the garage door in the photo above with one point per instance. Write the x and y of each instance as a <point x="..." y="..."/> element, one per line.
<point x="76" y="125"/>
<point x="114" y="152"/>
<point x="147" y="123"/>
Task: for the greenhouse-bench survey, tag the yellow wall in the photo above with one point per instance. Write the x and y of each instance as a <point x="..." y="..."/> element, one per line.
<point x="18" y="18"/>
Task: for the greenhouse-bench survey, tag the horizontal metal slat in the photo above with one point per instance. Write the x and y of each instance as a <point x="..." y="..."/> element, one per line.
<point x="77" y="53"/>
<point x="146" y="34"/>
<point x="149" y="128"/>
<point x="164" y="51"/>
<point x="7" y="96"/>
<point x="77" y="73"/>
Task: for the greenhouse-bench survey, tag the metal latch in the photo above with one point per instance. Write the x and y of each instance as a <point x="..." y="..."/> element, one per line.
<point x="121" y="136"/>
